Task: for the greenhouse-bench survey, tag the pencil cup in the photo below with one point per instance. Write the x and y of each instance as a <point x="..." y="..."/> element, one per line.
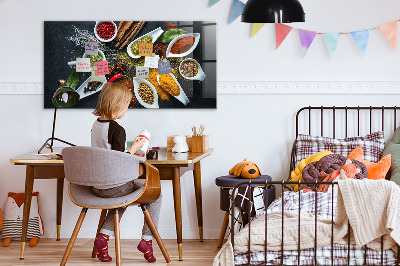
<point x="200" y="143"/>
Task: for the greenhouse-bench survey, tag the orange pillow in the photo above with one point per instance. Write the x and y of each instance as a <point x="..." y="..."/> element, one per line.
<point x="375" y="170"/>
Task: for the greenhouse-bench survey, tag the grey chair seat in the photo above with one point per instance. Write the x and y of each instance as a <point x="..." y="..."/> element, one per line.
<point x="83" y="196"/>
<point x="85" y="167"/>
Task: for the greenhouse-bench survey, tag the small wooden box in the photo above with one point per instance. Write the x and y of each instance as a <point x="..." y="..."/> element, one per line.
<point x="171" y="143"/>
<point x="200" y="143"/>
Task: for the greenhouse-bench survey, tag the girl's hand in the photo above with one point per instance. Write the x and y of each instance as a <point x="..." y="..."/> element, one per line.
<point x="142" y="155"/>
<point x="137" y="144"/>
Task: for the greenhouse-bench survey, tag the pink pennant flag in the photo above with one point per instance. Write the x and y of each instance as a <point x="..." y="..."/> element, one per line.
<point x="281" y="31"/>
<point x="389" y="30"/>
<point x="306" y="39"/>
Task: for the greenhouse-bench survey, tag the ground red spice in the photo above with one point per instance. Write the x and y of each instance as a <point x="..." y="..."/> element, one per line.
<point x="182" y="45"/>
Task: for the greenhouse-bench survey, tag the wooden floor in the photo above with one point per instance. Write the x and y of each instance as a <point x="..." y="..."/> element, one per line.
<point x="50" y="252"/>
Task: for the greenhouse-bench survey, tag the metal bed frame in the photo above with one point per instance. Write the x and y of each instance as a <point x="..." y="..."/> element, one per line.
<point x="284" y="184"/>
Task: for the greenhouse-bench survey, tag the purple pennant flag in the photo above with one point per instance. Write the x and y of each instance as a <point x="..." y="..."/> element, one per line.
<point x="361" y="38"/>
<point x="306" y="39"/>
<point x="237" y="9"/>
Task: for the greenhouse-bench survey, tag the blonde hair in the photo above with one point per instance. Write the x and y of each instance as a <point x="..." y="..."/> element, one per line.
<point x="113" y="97"/>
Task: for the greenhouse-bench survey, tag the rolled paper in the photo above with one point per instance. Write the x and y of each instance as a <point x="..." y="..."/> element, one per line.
<point x="281" y="31"/>
<point x="332" y="41"/>
<point x="389" y="30"/>
<point x="256" y="27"/>
<point x="361" y="38"/>
<point x="306" y="39"/>
<point x="237" y="8"/>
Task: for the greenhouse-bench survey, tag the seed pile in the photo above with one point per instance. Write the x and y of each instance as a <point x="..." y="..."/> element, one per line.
<point x="189" y="69"/>
<point x="92" y="86"/>
<point x="159" y="49"/>
<point x="146" y="93"/>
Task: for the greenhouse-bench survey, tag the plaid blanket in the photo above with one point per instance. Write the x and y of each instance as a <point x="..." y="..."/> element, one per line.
<point x="324" y="257"/>
<point x="323" y="205"/>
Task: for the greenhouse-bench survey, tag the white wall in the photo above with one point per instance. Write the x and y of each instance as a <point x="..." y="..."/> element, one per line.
<point x="259" y="127"/>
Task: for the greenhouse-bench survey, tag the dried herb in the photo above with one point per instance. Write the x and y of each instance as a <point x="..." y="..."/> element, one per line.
<point x="95" y="58"/>
<point x="169" y="35"/>
<point x="135" y="45"/>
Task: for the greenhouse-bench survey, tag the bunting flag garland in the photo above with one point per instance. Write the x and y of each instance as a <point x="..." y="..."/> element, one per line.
<point x="306" y="39"/>
<point x="237" y="8"/>
<point x="281" y="31"/>
<point x="361" y="38"/>
<point x="256" y="28"/>
<point x="213" y="2"/>
<point x="332" y="41"/>
<point x="389" y="30"/>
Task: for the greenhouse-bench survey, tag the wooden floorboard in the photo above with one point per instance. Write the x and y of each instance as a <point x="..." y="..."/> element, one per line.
<point x="50" y="252"/>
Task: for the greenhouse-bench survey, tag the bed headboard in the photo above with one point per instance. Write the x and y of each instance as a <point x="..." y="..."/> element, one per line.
<point x="344" y="121"/>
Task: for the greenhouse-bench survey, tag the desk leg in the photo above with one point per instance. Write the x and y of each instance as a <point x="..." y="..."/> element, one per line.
<point x="176" y="182"/>
<point x="27" y="206"/>
<point x="60" y="190"/>
<point x="199" y="204"/>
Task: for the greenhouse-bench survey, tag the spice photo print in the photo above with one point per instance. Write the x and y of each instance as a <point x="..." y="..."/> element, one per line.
<point x="166" y="64"/>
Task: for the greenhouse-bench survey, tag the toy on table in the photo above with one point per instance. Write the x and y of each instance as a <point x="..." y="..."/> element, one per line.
<point x="13" y="215"/>
<point x="180" y="144"/>
<point x="245" y="169"/>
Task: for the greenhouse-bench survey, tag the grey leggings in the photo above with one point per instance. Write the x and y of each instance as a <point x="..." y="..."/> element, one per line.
<point x="154" y="208"/>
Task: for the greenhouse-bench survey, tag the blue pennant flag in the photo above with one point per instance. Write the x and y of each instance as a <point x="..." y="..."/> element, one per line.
<point x="237" y="9"/>
<point x="332" y="41"/>
<point x="213" y="2"/>
<point x="361" y="38"/>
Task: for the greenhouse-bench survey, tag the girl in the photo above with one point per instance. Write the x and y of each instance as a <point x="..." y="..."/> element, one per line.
<point x="106" y="133"/>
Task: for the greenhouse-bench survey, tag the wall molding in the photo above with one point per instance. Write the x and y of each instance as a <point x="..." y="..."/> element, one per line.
<point x="309" y="87"/>
<point x="260" y="87"/>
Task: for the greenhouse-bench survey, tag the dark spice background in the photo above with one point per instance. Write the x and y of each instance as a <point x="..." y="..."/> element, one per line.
<point x="58" y="51"/>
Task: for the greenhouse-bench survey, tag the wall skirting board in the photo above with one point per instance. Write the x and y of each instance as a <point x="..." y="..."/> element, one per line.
<point x="260" y="87"/>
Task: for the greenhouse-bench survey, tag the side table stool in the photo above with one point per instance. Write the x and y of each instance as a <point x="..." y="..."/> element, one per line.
<point x="226" y="183"/>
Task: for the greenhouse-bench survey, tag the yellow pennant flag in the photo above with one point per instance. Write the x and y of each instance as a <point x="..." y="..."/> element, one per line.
<point x="255" y="28"/>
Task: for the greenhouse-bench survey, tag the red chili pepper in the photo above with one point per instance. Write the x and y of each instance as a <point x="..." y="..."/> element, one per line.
<point x="115" y="77"/>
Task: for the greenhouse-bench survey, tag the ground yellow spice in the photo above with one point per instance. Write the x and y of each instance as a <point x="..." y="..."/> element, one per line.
<point x="153" y="80"/>
<point x="168" y="83"/>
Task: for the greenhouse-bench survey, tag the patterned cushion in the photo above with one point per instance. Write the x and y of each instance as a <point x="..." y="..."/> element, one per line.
<point x="372" y="144"/>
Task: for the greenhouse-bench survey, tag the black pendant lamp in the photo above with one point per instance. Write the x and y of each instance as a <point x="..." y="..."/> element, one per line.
<point x="273" y="11"/>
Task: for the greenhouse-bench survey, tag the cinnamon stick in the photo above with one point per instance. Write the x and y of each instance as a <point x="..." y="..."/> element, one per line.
<point x="126" y="34"/>
<point x="132" y="36"/>
<point x="123" y="27"/>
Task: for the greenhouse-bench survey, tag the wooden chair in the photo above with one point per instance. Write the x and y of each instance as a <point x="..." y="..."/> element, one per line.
<point x="85" y="167"/>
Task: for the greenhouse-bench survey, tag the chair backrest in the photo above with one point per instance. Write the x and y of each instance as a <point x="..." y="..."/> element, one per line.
<point x="92" y="166"/>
